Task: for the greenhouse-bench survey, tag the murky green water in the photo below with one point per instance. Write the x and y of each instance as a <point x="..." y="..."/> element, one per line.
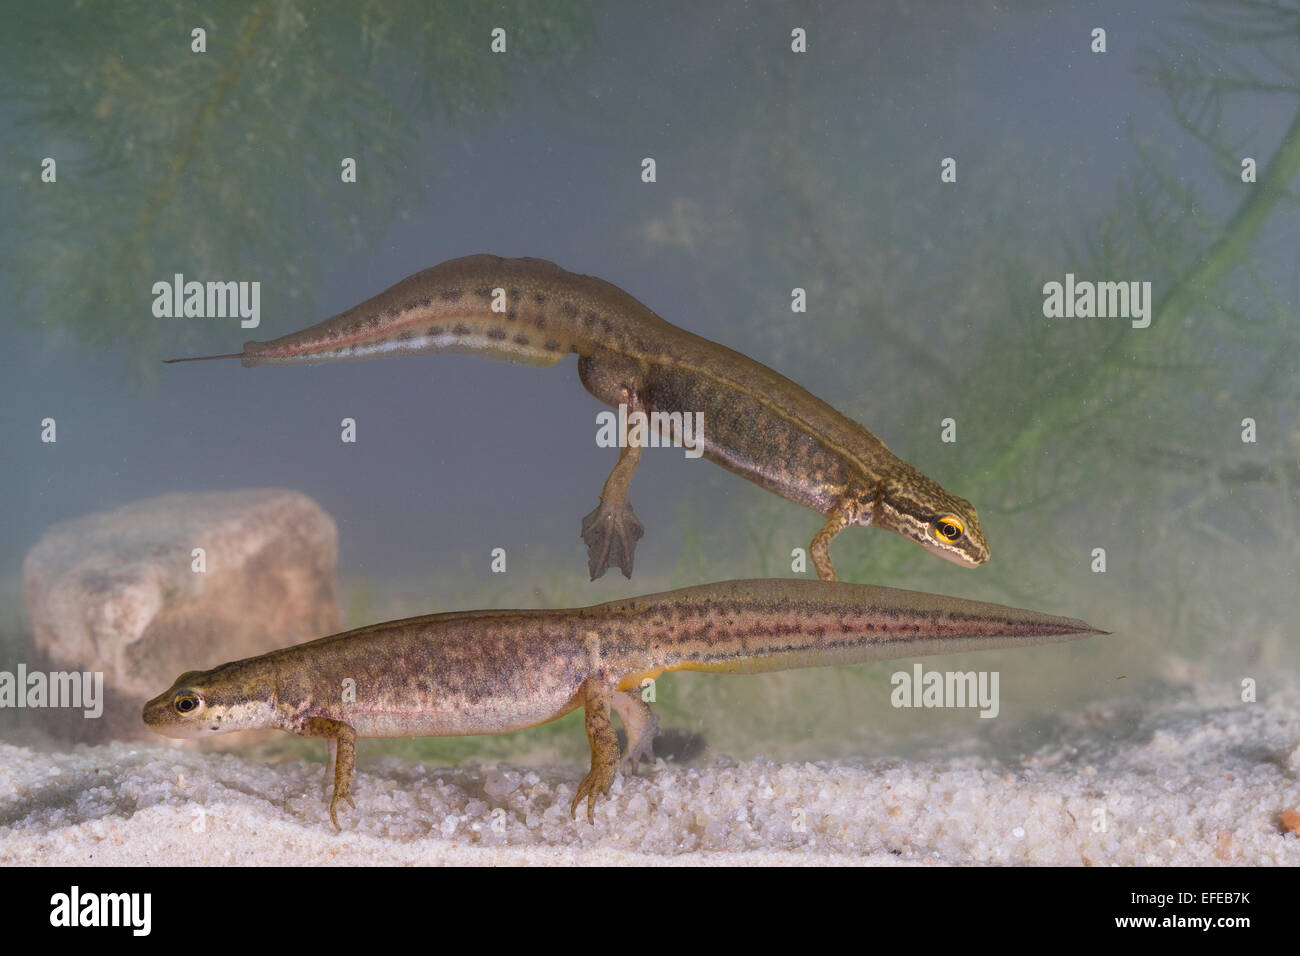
<point x="1167" y="441"/>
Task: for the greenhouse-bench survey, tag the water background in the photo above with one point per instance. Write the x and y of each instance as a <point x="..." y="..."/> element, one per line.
<point x="775" y="170"/>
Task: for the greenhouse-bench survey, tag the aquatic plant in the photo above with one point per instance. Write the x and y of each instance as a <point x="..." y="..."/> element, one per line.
<point x="215" y="164"/>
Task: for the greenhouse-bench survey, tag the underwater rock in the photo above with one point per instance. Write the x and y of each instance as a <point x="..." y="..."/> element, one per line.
<point x="179" y="582"/>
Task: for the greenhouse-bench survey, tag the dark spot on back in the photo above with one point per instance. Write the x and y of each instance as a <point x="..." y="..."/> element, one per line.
<point x="568" y="309"/>
<point x="450" y="295"/>
<point x="589" y="319"/>
<point x="552" y="346"/>
<point x="497" y="334"/>
<point x="521" y="340"/>
<point x="483" y="292"/>
<point x="539" y="297"/>
<point x="406" y="334"/>
<point x="460" y="328"/>
<point x="512" y="314"/>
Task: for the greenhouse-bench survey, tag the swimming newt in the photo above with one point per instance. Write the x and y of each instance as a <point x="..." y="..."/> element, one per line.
<point x="487" y="672"/>
<point x="757" y="423"/>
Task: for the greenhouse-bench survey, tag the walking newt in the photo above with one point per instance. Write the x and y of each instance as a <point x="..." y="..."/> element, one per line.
<point x="757" y="423"/>
<point x="487" y="672"/>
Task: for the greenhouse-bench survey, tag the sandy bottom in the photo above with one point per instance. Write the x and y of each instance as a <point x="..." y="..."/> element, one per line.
<point x="1196" y="779"/>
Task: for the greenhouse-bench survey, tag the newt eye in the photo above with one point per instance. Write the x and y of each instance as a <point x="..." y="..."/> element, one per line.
<point x="948" y="528"/>
<point x="187" y="702"/>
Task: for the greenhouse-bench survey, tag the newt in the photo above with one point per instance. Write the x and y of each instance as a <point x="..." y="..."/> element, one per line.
<point x="491" y="672"/>
<point x="757" y="423"/>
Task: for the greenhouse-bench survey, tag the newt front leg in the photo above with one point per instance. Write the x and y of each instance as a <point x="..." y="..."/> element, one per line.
<point x="849" y="511"/>
<point x="343" y="740"/>
<point x="820" y="549"/>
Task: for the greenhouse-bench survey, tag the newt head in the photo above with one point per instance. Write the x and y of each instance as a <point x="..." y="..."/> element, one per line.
<point x="203" y="703"/>
<point x="918" y="508"/>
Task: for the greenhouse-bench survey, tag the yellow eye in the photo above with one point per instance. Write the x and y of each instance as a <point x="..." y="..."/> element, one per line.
<point x="187" y="703"/>
<point x="948" y="528"/>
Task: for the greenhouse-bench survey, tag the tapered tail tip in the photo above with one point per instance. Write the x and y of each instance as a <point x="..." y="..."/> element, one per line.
<point x="204" y="358"/>
<point x="1083" y="627"/>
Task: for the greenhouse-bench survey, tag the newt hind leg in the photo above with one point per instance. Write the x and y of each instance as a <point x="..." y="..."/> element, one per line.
<point x="641" y="724"/>
<point x="604" y="753"/>
<point x="612" y="530"/>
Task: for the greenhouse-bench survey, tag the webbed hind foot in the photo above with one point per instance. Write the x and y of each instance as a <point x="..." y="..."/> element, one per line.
<point x="611" y="534"/>
<point x="604" y="752"/>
